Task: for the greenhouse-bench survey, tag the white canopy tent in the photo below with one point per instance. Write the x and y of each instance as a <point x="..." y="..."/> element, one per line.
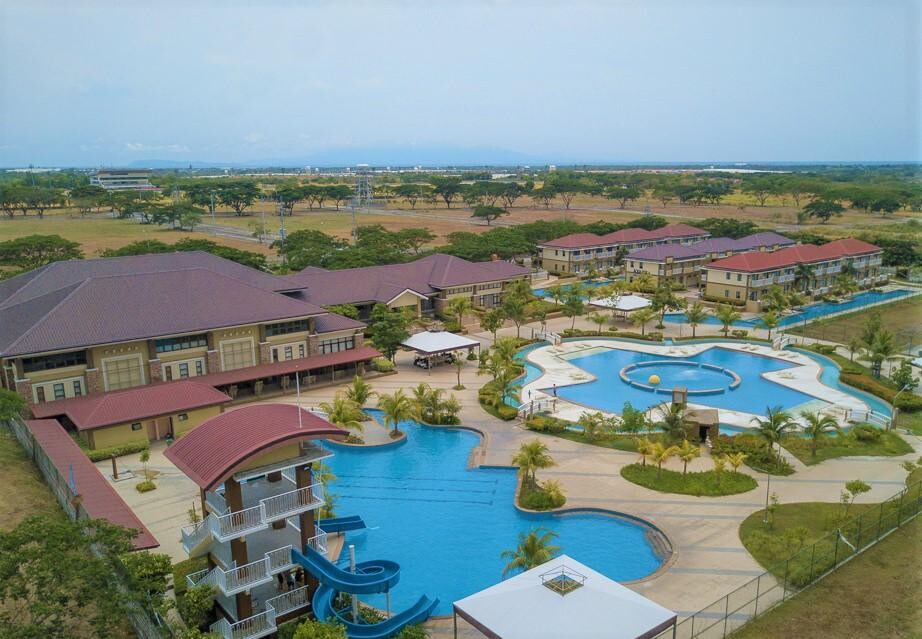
<point x="562" y="598"/>
<point x="432" y="345"/>
<point x="622" y="303"/>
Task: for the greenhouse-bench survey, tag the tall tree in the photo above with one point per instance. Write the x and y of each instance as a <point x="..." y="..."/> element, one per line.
<point x="446" y="188"/>
<point x="823" y="209"/>
<point x="32" y="251"/>
<point x="238" y="195"/>
<point x="534" y="549"/>
<point x="388" y="328"/>
<point x="488" y="213"/>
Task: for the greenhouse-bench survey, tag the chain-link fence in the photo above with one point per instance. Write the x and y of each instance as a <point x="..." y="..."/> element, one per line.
<point x="801" y="570"/>
<point x="145" y="622"/>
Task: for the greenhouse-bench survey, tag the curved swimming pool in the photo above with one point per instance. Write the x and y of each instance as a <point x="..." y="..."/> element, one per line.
<point x="446" y="524"/>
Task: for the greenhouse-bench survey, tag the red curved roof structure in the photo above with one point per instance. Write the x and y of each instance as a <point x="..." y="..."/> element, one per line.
<point x="213" y="451"/>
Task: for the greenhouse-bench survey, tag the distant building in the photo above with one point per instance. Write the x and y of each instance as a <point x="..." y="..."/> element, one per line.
<point x="123" y="180"/>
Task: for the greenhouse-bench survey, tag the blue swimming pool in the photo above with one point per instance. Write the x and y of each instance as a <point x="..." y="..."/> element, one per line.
<point x="809" y="312"/>
<point x="609" y="392"/>
<point x="543" y="292"/>
<point x="446" y="524"/>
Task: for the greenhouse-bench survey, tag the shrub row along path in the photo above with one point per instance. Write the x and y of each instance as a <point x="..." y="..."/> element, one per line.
<point x="709" y="559"/>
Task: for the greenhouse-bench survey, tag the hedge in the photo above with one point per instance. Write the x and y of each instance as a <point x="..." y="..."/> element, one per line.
<point x="382" y="364"/>
<point x="908" y="402"/>
<point x="101" y="454"/>
<point x="649" y="337"/>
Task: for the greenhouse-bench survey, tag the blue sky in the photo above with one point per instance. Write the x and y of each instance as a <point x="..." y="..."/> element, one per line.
<point x="89" y="83"/>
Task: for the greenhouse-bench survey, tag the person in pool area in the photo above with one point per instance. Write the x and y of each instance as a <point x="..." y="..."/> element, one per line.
<point x="555" y="390"/>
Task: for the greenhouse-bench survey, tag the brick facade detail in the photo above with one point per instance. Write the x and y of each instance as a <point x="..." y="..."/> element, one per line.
<point x="212" y="362"/>
<point x="93" y="381"/>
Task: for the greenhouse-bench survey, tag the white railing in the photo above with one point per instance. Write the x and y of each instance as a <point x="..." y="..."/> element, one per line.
<point x="279" y="559"/>
<point x="779" y="343"/>
<point x="761" y="281"/>
<point x="549" y="336"/>
<point x="258" y="625"/>
<point x="240" y="578"/>
<point x="291" y="600"/>
<point x="295" y="501"/>
<point x="236" y="523"/>
<point x="535" y="406"/>
<point x="318" y="542"/>
<point x="868" y="416"/>
<point x="786" y="278"/>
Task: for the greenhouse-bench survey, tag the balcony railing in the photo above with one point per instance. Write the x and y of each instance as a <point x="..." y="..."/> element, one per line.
<point x="253" y="627"/>
<point x="291" y="600"/>
<point x="290" y="503"/>
<point x="239" y="522"/>
<point x="786" y="278"/>
<point x="318" y="542"/>
<point x="241" y="578"/>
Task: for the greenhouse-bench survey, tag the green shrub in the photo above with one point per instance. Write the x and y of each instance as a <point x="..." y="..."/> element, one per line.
<point x="382" y="364"/>
<point x="413" y="632"/>
<point x="540" y="499"/>
<point x="739" y="333"/>
<point x="758" y="455"/>
<point x="545" y="424"/>
<point x="116" y="451"/>
<point x="865" y="433"/>
<point x="909" y="402"/>
<point x="694" y="483"/>
<point x="507" y="412"/>
<point x="824" y="349"/>
<point x="145" y="486"/>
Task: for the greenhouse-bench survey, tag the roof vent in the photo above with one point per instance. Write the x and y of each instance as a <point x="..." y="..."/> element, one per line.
<point x="562" y="580"/>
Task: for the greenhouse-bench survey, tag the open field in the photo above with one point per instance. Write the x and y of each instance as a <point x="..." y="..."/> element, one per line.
<point x="900" y="318"/>
<point x="875" y="595"/>
<point x="23" y="493"/>
<point x="100" y="232"/>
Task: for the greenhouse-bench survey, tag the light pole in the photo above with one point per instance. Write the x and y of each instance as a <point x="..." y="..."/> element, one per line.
<point x="896" y="410"/>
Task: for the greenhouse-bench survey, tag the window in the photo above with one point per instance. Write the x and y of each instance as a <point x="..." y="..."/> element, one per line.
<point x="78" y="388"/>
<point x="739" y="277"/>
<point x="300" y="350"/>
<point x="284" y="328"/>
<point x="182" y="417"/>
<point x="58" y="391"/>
<point x="337" y="345"/>
<point x="136" y="426"/>
<point x="50" y="362"/>
<point x="168" y="373"/>
<point x="40" y="394"/>
<point x="199" y="367"/>
<point x="181" y="343"/>
<point x="184" y="370"/>
<point x="123" y="373"/>
<point x="726" y="293"/>
<point x="237" y="354"/>
<point x="728" y="275"/>
<point x="289" y="353"/>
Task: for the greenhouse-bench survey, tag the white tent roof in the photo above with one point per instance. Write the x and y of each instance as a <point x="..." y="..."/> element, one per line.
<point x="625" y="303"/>
<point x="523" y="607"/>
<point x="430" y="342"/>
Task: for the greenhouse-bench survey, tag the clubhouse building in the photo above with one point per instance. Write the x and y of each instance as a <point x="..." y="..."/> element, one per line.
<point x="425" y="286"/>
<point x="683" y="263"/>
<point x="579" y="253"/>
<point x="744" y="279"/>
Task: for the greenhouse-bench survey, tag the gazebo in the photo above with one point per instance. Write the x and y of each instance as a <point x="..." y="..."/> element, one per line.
<point x="623" y="304"/>
<point x="562" y="598"/>
<point x="432" y="343"/>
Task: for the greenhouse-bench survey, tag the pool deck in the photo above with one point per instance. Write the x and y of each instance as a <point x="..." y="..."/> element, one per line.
<point x="709" y="561"/>
<point x="803" y="377"/>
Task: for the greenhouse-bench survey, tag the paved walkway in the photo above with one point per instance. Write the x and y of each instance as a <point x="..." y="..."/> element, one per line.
<point x="709" y="558"/>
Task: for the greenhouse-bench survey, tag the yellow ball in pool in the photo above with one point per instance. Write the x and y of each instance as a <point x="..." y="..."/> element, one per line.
<point x="653" y="380"/>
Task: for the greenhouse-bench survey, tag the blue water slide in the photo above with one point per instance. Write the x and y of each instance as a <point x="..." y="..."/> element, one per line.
<point x="378" y="575"/>
<point x="341" y="524"/>
<point x="417" y="613"/>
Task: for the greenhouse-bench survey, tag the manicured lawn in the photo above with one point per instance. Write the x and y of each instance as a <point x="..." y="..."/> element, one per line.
<point x="618" y="442"/>
<point x="23" y="492"/>
<point x="910" y="421"/>
<point x="889" y="445"/>
<point x="702" y="484"/>
<point x="875" y="595"/>
<point x="896" y="317"/>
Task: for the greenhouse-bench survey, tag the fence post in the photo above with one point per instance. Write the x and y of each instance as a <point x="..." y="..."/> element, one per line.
<point x="899" y="511"/>
<point x="726" y="613"/>
<point x="880" y="520"/>
<point x="758" y="587"/>
<point x="812" y="559"/>
<point x="858" y="540"/>
<point x="835" y="552"/>
<point x="784" y="584"/>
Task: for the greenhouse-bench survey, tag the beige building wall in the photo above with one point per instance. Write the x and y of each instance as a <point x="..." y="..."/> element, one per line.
<point x="121" y="434"/>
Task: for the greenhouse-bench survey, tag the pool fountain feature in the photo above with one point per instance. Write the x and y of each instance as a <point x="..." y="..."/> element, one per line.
<point x="700" y="378"/>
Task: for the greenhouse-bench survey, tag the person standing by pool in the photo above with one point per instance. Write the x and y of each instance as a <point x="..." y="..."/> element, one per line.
<point x="555" y="390"/>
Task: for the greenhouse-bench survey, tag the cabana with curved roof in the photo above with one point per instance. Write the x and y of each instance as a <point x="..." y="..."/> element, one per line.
<point x="211" y="453"/>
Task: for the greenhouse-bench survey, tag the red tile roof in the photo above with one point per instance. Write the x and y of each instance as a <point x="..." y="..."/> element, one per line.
<point x="801" y="254"/>
<point x="100" y="501"/>
<point x="260" y="371"/>
<point x="624" y="236"/>
<point x="211" y="453"/>
<point x="132" y="404"/>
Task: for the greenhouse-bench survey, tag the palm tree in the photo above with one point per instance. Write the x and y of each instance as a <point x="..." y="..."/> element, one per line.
<point x="816" y="427"/>
<point x="459" y="365"/>
<point x="774" y="299"/>
<point x="642" y="282"/>
<point x="771" y="320"/>
<point x="458" y="307"/>
<point x="726" y="314"/>
<point x="844" y="284"/>
<point x="344" y="412"/>
<point x="720" y="465"/>
<point x="736" y="460"/>
<point x="695" y="315"/>
<point x="673" y="423"/>
<point x="855" y="344"/>
<point x="598" y="319"/>
<point x="359" y="391"/>
<point x="641" y="317"/>
<point x="687" y="452"/>
<point x="427" y="401"/>
<point x="396" y="408"/>
<point x="593" y="423"/>
<point x="661" y="453"/>
<point x="504" y="349"/>
<point x="645" y="448"/>
<point x="774" y="425"/>
<point x="532" y="456"/>
<point x="881" y="348"/>
<point x="553" y="490"/>
<point x="556" y="292"/>
<point x="534" y="549"/>
<point x="803" y="273"/>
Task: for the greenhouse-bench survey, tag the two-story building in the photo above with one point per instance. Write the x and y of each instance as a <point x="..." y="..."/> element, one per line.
<point x="682" y="263"/>
<point x="92" y="326"/>
<point x="743" y="279"/>
<point x="425" y="285"/>
<point x="579" y="253"/>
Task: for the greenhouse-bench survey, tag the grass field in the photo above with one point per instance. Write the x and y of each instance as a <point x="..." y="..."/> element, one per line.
<point x="23" y="493"/>
<point x="701" y="484"/>
<point x="889" y="445"/>
<point x="875" y="595"/>
<point x="900" y="318"/>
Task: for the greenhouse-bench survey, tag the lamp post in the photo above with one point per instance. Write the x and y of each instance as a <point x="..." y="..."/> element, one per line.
<point x="896" y="410"/>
